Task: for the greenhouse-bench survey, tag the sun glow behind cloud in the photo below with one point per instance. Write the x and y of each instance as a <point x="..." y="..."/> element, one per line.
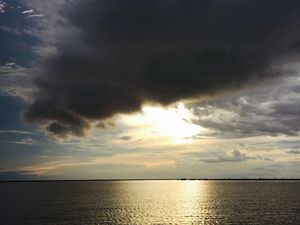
<point x="171" y="123"/>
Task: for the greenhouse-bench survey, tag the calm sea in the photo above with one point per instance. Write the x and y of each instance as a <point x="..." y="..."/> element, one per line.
<point x="150" y="202"/>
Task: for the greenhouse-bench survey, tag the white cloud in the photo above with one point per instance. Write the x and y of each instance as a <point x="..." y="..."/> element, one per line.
<point x="2" y="7"/>
<point x="16" y="131"/>
<point x="28" y="11"/>
<point x="26" y="141"/>
<point x="36" y="15"/>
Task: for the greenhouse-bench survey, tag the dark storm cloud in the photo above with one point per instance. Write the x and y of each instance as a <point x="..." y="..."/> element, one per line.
<point x="114" y="55"/>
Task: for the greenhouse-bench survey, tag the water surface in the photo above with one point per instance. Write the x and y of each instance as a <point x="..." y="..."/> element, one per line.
<point x="150" y="202"/>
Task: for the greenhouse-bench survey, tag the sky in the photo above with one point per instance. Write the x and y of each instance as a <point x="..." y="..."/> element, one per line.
<point x="98" y="89"/>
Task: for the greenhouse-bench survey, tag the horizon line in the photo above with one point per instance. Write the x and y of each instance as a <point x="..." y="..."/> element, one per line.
<point x="151" y="179"/>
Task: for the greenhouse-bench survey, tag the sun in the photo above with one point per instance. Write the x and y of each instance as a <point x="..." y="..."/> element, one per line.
<point x="173" y="123"/>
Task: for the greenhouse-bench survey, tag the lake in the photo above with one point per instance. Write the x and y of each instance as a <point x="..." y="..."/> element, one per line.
<point x="150" y="202"/>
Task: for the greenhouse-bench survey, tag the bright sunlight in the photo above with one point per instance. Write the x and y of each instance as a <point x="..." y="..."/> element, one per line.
<point x="174" y="123"/>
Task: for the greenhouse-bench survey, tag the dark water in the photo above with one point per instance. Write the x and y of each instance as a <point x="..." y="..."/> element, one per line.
<point x="150" y="202"/>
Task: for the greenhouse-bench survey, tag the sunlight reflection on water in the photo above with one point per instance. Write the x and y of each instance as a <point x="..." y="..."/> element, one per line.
<point x="150" y="202"/>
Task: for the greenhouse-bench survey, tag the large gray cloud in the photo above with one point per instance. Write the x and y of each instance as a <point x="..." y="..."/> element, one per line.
<point x="270" y="109"/>
<point x="112" y="56"/>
